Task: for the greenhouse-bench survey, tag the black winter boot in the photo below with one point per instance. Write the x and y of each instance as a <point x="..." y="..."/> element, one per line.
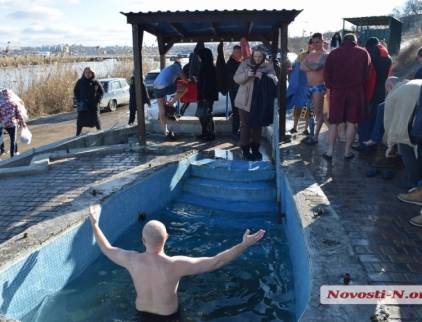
<point x="246" y="152"/>
<point x="256" y="155"/>
<point x="203" y="128"/>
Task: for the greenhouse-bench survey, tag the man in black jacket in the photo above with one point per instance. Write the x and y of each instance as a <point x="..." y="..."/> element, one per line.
<point x="232" y="87"/>
<point x="132" y="100"/>
<point x="418" y="74"/>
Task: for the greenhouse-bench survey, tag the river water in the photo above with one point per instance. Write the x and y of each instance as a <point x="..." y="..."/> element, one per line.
<point x="16" y="78"/>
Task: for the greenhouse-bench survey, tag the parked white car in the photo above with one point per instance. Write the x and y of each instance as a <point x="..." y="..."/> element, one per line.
<point x="116" y="92"/>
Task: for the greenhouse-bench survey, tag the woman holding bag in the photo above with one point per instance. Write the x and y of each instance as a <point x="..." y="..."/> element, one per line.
<point x="11" y="116"/>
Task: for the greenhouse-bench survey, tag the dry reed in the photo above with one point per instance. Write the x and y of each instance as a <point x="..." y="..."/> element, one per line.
<point x="52" y="92"/>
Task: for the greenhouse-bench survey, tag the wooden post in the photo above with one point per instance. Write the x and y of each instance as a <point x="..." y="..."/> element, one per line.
<point x="163" y="48"/>
<point x="138" y="35"/>
<point x="162" y="52"/>
<point x="162" y="61"/>
<point x="282" y="79"/>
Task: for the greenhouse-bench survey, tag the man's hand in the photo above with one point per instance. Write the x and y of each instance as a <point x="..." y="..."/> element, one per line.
<point x="251" y="239"/>
<point x="94" y="212"/>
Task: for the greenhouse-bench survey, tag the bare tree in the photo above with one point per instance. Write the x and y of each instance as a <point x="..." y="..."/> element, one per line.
<point x="413" y="7"/>
<point x="410" y="8"/>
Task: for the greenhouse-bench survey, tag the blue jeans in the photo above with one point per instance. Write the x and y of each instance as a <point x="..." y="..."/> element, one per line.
<point x="365" y="127"/>
<point x="412" y="163"/>
<point x="163" y="92"/>
<point x="12" y="131"/>
<point x="378" y="129"/>
<point x="1" y="141"/>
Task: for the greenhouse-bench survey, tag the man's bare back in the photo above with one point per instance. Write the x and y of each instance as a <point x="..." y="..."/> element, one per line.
<point x="155" y="275"/>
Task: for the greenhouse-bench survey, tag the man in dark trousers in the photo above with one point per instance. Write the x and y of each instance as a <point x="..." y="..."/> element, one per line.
<point x="418" y="74"/>
<point x="232" y="87"/>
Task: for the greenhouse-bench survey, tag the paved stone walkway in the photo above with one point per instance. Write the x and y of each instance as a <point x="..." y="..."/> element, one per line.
<point x="48" y="202"/>
<point x="376" y="222"/>
<point x="25" y="201"/>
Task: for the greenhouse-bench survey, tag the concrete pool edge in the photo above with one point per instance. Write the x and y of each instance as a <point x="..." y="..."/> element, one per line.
<point x="320" y="250"/>
<point x="66" y="254"/>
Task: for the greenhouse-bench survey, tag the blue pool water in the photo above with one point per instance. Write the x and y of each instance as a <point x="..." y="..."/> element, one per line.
<point x="258" y="286"/>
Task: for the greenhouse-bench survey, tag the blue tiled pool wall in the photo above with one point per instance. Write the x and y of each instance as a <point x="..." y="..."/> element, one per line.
<point x="298" y="253"/>
<point x="26" y="283"/>
<point x="65" y="257"/>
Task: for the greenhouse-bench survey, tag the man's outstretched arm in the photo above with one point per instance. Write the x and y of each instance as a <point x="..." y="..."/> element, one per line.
<point x="190" y="265"/>
<point x="117" y="255"/>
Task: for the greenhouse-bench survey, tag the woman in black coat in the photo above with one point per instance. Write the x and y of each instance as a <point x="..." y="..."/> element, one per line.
<point x="207" y="93"/>
<point x="132" y="99"/>
<point x="88" y="93"/>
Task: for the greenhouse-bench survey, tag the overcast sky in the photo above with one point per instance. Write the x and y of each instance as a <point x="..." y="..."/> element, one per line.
<point x="99" y="22"/>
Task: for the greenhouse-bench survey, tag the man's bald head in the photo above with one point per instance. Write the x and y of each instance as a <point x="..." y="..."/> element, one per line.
<point x="350" y="37"/>
<point x="154" y="234"/>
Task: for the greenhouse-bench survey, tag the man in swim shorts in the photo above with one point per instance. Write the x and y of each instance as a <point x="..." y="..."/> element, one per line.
<point x="313" y="65"/>
<point x="155" y="275"/>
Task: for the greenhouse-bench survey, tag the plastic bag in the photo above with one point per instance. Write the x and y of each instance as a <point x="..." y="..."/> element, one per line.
<point x="152" y="113"/>
<point x="26" y="136"/>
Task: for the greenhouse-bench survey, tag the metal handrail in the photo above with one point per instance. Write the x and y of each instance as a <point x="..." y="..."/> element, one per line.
<point x="276" y="151"/>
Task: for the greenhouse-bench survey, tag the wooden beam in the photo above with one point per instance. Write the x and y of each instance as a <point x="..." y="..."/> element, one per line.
<point x="215" y="29"/>
<point x="168" y="45"/>
<point x="283" y="38"/>
<point x="274" y="49"/>
<point x="138" y="35"/>
<point x="216" y="38"/>
<point x="239" y="16"/>
<point x="178" y="28"/>
<point x="250" y="27"/>
<point x="163" y="47"/>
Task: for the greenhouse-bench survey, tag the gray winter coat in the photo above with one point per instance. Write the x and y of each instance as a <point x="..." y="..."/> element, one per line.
<point x="243" y="98"/>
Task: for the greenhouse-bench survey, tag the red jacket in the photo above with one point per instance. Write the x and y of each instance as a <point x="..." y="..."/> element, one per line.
<point x="191" y="95"/>
<point x="347" y="67"/>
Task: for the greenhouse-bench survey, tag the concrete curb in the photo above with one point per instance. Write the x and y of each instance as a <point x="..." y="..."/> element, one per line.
<point x="40" y="163"/>
<point x="189" y="125"/>
<point x="327" y="246"/>
<point x="101" y="138"/>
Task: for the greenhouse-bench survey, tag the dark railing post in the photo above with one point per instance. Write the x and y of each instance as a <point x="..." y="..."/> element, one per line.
<point x="283" y="80"/>
<point x="138" y="35"/>
<point x="162" y="52"/>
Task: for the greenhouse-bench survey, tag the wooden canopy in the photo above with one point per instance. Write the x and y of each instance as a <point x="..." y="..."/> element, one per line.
<point x="268" y="26"/>
<point x="383" y="27"/>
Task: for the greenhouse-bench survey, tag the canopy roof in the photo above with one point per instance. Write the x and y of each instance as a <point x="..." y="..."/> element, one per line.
<point x="372" y="21"/>
<point x="212" y="25"/>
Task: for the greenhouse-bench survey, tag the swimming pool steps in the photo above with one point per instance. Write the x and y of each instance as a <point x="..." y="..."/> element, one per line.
<point x="237" y="170"/>
<point x="232" y="206"/>
<point x="234" y="186"/>
<point x="234" y="191"/>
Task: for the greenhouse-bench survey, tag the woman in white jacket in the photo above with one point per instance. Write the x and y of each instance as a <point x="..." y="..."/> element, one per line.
<point x="249" y="70"/>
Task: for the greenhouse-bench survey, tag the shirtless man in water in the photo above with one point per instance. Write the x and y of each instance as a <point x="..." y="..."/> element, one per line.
<point x="313" y="65"/>
<point x="155" y="275"/>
